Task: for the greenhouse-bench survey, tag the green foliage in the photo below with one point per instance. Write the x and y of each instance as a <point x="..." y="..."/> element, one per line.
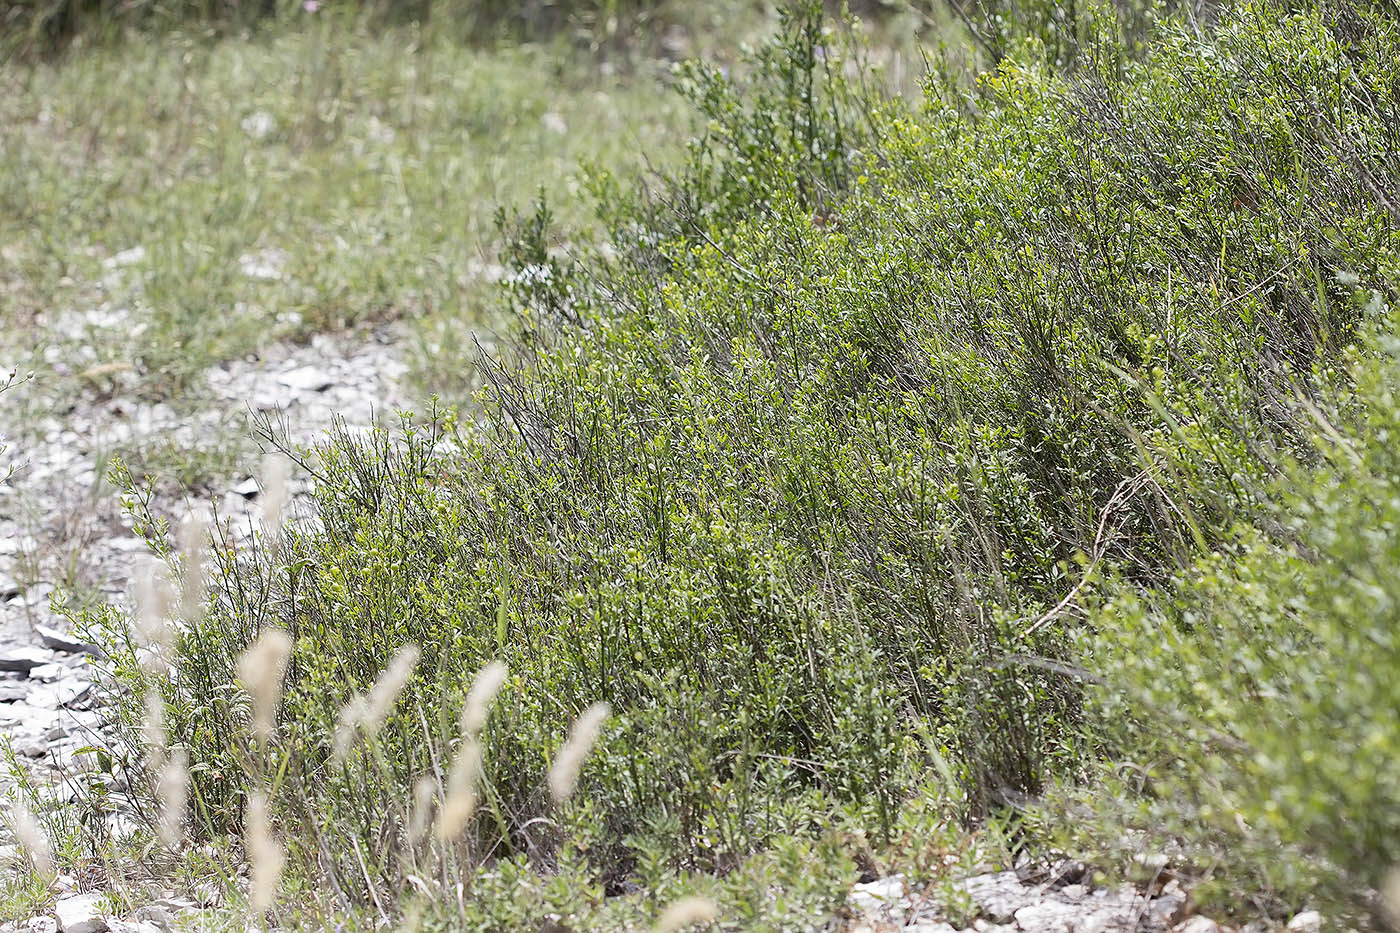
<point x="797" y="470"/>
<point x="1253" y="700"/>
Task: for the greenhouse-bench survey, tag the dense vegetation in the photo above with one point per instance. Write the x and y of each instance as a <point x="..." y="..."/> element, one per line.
<point x="889" y="463"/>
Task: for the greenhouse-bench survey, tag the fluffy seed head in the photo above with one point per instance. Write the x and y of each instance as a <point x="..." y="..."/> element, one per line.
<point x="193" y="534"/>
<point x="153" y="725"/>
<point x="686" y="912"/>
<point x="31" y="840"/>
<point x="264" y="853"/>
<point x="172" y="789"/>
<point x="461" y="791"/>
<point x="155" y="598"/>
<point x="480" y="697"/>
<point x="387" y="688"/>
<point x="260" y="670"/>
<point x="563" y="773"/>
<point x="275" y="475"/>
<point x="424" y="790"/>
<point x="348" y="723"/>
<point x="1390" y="895"/>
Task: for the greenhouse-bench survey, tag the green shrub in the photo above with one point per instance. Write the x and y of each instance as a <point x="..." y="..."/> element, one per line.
<point x="1254" y="699"/>
<point x="797" y="471"/>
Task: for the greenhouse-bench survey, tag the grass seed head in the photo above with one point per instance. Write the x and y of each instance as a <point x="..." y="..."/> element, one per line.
<point x="265" y="854"/>
<point x="32" y="841"/>
<point x="385" y="692"/>
<point x="460" y="803"/>
<point x="348" y="724"/>
<point x="564" y="772"/>
<point x="420" y="817"/>
<point x="483" y="692"/>
<point x="686" y="912"/>
<point x="193" y="534"/>
<point x="1390" y="896"/>
<point x="153" y="725"/>
<point x="275" y="477"/>
<point x="172" y="789"/>
<point x="155" y="598"/>
<point x="260" y="670"/>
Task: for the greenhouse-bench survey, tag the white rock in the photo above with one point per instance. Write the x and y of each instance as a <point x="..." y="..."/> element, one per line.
<point x="1047" y="917"/>
<point x="126" y="257"/>
<point x="1197" y="924"/>
<point x="32" y="747"/>
<point x="306" y="379"/>
<point x="259" y="124"/>
<point x="24" y="658"/>
<point x="884" y="895"/>
<point x="42" y="925"/>
<point x="81" y="913"/>
<point x="998" y="894"/>
<point x="128" y="926"/>
<point x="156" y="916"/>
<point x="248" y="489"/>
<point x="1309" y="921"/>
<point x="54" y="639"/>
<point x="47" y="673"/>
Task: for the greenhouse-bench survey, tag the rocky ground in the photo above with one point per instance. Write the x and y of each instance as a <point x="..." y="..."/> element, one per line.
<point x="1061" y="899"/>
<point x="63" y="530"/>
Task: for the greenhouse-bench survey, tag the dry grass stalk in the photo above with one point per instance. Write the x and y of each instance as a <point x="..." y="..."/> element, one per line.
<point x="172" y="789"/>
<point x="687" y="912"/>
<point x="265" y="854"/>
<point x="32" y="841"/>
<point x="193" y="534"/>
<point x="564" y="772"/>
<point x="460" y="801"/>
<point x="275" y="477"/>
<point x="368" y="713"/>
<point x="260" y="670"/>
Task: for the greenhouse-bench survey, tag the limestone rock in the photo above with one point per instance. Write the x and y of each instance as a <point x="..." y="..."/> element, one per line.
<point x="81" y="913"/>
<point x="1309" y="921"/>
<point x="23" y="658"/>
<point x="55" y="640"/>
